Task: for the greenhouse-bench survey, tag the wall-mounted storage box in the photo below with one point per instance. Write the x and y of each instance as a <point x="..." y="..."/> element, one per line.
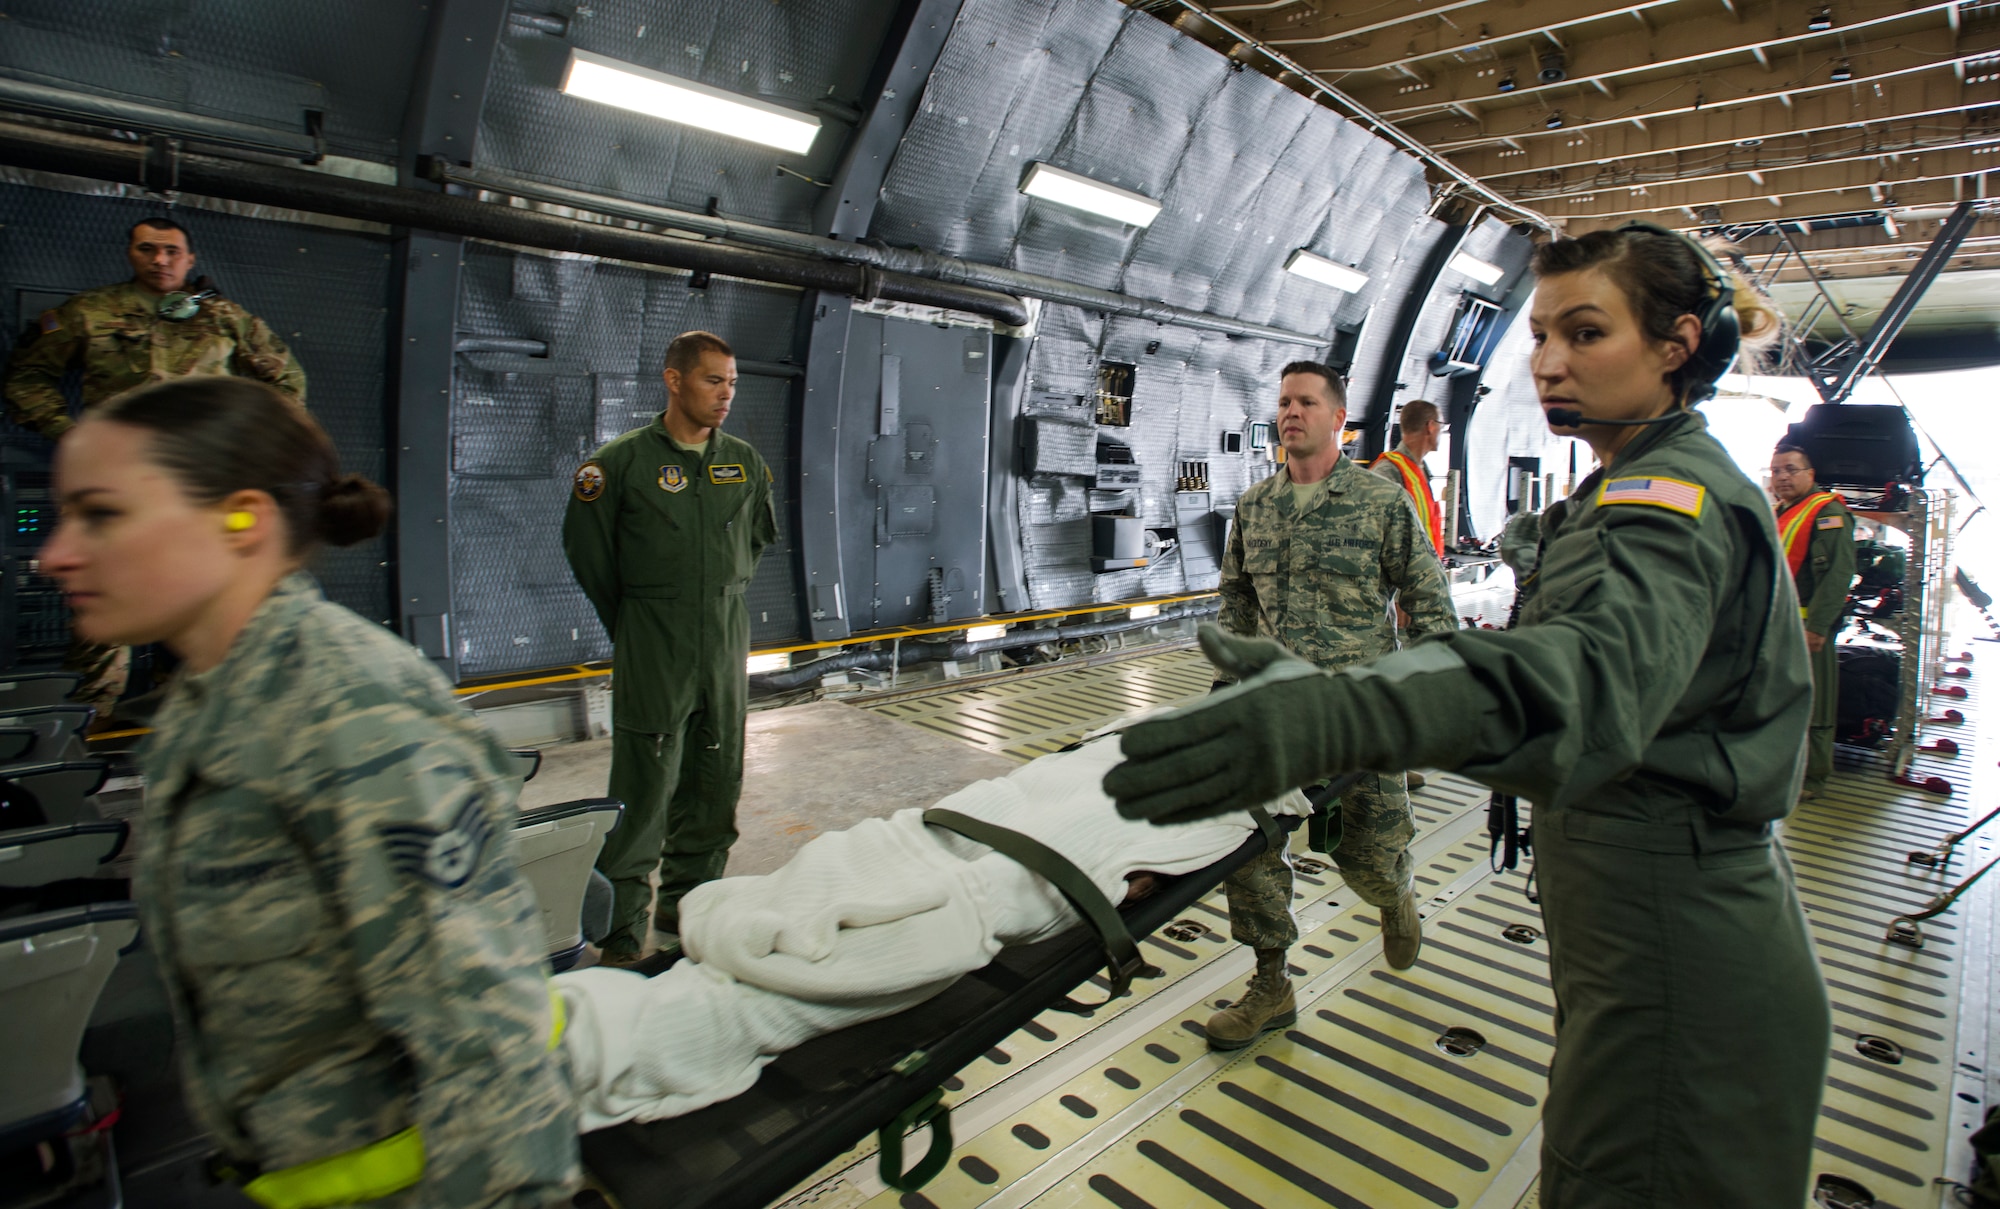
<point x="1051" y="445"/>
<point x="1116" y="542"/>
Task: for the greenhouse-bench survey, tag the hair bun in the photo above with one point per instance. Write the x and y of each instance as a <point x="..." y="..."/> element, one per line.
<point x="352" y="509"/>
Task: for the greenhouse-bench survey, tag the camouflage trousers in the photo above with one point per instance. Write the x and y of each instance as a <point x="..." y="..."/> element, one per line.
<point x="1373" y="856"/>
<point x="105" y="669"/>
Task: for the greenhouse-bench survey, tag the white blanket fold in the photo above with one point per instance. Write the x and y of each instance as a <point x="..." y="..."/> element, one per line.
<point x="857" y="925"/>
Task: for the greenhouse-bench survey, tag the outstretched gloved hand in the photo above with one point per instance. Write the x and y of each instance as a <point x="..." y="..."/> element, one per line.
<point x="1239" y="747"/>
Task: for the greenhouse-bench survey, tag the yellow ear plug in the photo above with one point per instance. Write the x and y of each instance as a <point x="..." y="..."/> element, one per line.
<point x="237" y="522"/>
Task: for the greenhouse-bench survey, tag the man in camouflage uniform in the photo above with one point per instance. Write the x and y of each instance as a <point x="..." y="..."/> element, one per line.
<point x="664" y="529"/>
<point x="122" y="336"/>
<point x="1315" y="554"/>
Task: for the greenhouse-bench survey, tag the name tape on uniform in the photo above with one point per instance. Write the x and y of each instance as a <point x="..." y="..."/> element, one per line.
<point x="731" y="473"/>
<point x="1674" y="495"/>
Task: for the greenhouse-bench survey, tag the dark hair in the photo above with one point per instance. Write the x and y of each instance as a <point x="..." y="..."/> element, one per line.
<point x="686" y="351"/>
<point x="1334" y="383"/>
<point x="159" y="224"/>
<point x="1661" y="275"/>
<point x="1416" y="413"/>
<point x="1789" y="447"/>
<point x="218" y="435"/>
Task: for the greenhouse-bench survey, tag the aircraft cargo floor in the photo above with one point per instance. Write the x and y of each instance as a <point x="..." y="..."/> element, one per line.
<point x="1424" y="1087"/>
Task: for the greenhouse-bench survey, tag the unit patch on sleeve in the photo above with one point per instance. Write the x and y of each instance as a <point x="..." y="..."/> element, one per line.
<point x="589" y="482"/>
<point x="1672" y="494"/>
<point x="673" y="480"/>
<point x="727" y="474"/>
<point x="1829" y="522"/>
<point x="446" y="859"/>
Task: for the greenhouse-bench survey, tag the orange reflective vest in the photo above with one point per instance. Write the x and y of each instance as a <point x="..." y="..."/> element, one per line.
<point x="1795" y="526"/>
<point x="1418" y="484"/>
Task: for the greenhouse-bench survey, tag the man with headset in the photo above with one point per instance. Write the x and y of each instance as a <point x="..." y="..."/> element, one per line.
<point x="151" y="328"/>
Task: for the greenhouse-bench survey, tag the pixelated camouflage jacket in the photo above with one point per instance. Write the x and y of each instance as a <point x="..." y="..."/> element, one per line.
<point x="116" y="335"/>
<point x="327" y="880"/>
<point x="1319" y="578"/>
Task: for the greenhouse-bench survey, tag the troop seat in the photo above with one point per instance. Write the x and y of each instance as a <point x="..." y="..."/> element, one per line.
<point x="35" y="690"/>
<point x="34" y="795"/>
<point x="52" y="968"/>
<point x="38" y="856"/>
<point x="556" y="848"/>
<point x="530" y="760"/>
<point x="56" y="735"/>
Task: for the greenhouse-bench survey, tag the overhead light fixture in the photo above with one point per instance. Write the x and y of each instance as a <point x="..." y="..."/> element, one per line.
<point x="1479" y="270"/>
<point x="757" y="665"/>
<point x="1144" y="612"/>
<point x="1318" y="268"/>
<point x="980" y="633"/>
<point x="1506" y="83"/>
<point x="1821" y="21"/>
<point x="594" y="77"/>
<point x="1554" y="121"/>
<point x="1093" y="197"/>
<point x="1842" y="73"/>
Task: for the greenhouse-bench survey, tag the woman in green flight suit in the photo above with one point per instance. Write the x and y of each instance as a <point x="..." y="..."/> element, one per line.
<point x="326" y="867"/>
<point x="1652" y="704"/>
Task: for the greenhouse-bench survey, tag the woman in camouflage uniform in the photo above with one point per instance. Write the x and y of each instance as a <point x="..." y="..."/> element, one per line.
<point x="326" y="868"/>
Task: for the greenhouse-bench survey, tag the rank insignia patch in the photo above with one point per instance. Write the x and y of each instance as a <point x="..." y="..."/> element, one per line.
<point x="589" y="482"/>
<point x="727" y="474"/>
<point x="446" y="859"/>
<point x="673" y="479"/>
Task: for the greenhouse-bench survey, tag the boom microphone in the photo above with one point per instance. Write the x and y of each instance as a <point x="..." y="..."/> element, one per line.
<point x="1569" y="417"/>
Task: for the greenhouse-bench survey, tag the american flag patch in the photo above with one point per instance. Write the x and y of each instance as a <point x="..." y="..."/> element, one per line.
<point x="1671" y="494"/>
<point x="1829" y="522"/>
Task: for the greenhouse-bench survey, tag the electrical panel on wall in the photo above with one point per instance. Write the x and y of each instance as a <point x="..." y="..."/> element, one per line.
<point x="1114" y="393"/>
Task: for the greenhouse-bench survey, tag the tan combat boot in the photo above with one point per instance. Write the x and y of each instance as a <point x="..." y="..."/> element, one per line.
<point x="1266" y="1005"/>
<point x="1402" y="932"/>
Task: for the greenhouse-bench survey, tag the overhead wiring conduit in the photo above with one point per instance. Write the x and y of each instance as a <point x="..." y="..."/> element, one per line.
<point x="909" y="261"/>
<point x="161" y="166"/>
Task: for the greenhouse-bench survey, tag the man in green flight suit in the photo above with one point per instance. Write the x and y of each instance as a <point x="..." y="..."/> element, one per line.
<point x="151" y="328"/>
<point x="1818" y="534"/>
<point x="664" y="529"/>
<point x="1315" y="554"/>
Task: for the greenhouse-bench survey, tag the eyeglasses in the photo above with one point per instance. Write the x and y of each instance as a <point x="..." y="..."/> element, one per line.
<point x="1785" y="472"/>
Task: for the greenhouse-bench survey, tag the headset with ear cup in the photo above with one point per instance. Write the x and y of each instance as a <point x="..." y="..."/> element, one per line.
<point x="237" y="522"/>
<point x="1721" y="333"/>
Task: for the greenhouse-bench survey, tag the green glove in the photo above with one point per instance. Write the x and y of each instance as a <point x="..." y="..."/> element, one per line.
<point x="1239" y="747"/>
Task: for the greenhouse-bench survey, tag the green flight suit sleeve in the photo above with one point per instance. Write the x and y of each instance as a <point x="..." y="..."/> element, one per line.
<point x="411" y="825"/>
<point x="47" y="348"/>
<point x="1410" y="564"/>
<point x="1239" y="595"/>
<point x="261" y="355"/>
<point x="764" y="529"/>
<point x="590" y="537"/>
<point x="1574" y="700"/>
<point x="1831" y="554"/>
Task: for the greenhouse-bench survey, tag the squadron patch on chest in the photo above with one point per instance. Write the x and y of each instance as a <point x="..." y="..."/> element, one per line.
<point x="673" y="479"/>
<point x="445" y="858"/>
<point x="589" y="482"/>
<point x="1674" y="495"/>
<point x="727" y="474"/>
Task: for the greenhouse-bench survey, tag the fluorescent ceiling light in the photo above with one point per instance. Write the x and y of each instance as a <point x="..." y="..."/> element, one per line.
<point x="1477" y="269"/>
<point x="1082" y="193"/>
<point x="656" y="94"/>
<point x="757" y="665"/>
<point x="1142" y="612"/>
<point x="980" y="633"/>
<point x="1326" y="272"/>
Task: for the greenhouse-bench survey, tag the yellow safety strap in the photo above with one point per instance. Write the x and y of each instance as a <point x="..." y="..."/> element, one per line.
<point x="560" y="1011"/>
<point x="355" y="1177"/>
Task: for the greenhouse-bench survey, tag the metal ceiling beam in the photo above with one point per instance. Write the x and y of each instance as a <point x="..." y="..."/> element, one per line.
<point x="1928" y="193"/>
<point x="1835" y="379"/>
<point x="1854" y="170"/>
<point x="1494" y="30"/>
<point x="1780" y="134"/>
<point x="1817" y="103"/>
<point x="1851" y="186"/>
<point x="1691" y="57"/>
<point x="899" y="79"/>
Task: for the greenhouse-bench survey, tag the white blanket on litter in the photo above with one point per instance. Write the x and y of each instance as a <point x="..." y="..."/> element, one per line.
<point x="859" y="924"/>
